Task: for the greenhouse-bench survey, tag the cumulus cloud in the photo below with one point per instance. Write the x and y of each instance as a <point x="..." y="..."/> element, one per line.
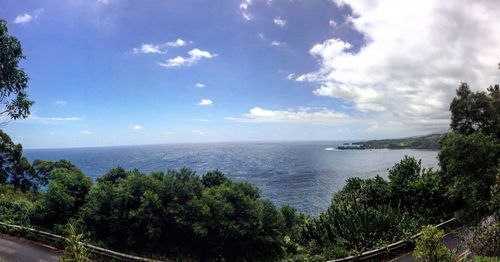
<point x="205" y="102"/>
<point x="149" y="49"/>
<point x="414" y="57"/>
<point x="193" y="57"/>
<point x="332" y="23"/>
<point x="177" y="43"/>
<point x="136" y="127"/>
<point x="159" y="48"/>
<point x="279" y="21"/>
<point x="302" y="115"/>
<point x="200" y="85"/>
<point x="28" y="17"/>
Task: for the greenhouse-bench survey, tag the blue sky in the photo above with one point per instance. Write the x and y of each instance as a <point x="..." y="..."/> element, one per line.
<point x="109" y="72"/>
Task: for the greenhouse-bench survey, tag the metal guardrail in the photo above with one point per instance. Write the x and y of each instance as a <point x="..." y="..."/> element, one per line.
<point x="94" y="249"/>
<point x="387" y="249"/>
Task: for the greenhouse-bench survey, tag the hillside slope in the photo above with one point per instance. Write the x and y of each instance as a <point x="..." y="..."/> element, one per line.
<point x="417" y="142"/>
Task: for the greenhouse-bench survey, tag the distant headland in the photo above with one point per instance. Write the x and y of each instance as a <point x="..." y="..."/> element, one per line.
<point x="417" y="142"/>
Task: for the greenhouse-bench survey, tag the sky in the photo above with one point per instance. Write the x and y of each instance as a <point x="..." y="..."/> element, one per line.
<point x="123" y="72"/>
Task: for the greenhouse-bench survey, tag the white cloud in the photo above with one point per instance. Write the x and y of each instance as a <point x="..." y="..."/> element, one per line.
<point x="22" y="19"/>
<point x="136" y="127"/>
<point x="279" y="21"/>
<point x="302" y="115"/>
<point x="159" y="48"/>
<point x="205" y="102"/>
<point x="244" y="5"/>
<point x="290" y="76"/>
<point x="277" y="43"/>
<point x="415" y="56"/>
<point x="86" y="132"/>
<point x="49" y="120"/>
<point x="195" y="55"/>
<point x="149" y="49"/>
<point x="332" y="23"/>
<point x="26" y="17"/>
<point x="177" y="43"/>
<point x="200" y="85"/>
<point x="60" y="103"/>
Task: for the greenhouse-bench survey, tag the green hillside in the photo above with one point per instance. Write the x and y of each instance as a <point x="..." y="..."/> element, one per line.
<point x="417" y="142"/>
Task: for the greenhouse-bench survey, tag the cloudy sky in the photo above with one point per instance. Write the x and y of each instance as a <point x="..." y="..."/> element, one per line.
<point x="110" y="72"/>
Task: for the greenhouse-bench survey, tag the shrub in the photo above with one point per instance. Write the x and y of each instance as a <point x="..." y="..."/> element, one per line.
<point x="15" y="210"/>
<point x="484" y="240"/>
<point x="75" y="251"/>
<point x="65" y="195"/>
<point x="429" y="247"/>
<point x="183" y="215"/>
<point x="469" y="166"/>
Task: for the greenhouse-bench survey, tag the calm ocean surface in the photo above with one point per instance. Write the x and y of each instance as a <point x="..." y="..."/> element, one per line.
<point x="304" y="175"/>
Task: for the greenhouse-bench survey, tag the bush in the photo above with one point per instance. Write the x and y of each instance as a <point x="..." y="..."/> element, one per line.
<point x="65" y="195"/>
<point x="494" y="203"/>
<point x="429" y="247"/>
<point x="484" y="240"/>
<point x="15" y="210"/>
<point x="182" y="215"/>
<point x="469" y="167"/>
<point x="358" y="228"/>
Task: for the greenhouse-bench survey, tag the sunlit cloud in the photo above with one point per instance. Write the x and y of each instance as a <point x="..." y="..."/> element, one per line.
<point x="193" y="57"/>
<point x="279" y="21"/>
<point x="302" y="115"/>
<point x="205" y="102"/>
<point x="28" y="17"/>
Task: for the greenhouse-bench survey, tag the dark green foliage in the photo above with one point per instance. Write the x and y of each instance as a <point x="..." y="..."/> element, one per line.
<point x="476" y="111"/>
<point x="14" y="168"/>
<point x="43" y="169"/>
<point x="112" y="175"/>
<point x="13" y="80"/>
<point x="469" y="166"/>
<point x="15" y="206"/>
<point x="494" y="203"/>
<point x="66" y="193"/>
<point x="180" y="213"/>
<point x="213" y="178"/>
<point x="367" y="192"/>
<point x="418" y="142"/>
<point x="358" y="227"/>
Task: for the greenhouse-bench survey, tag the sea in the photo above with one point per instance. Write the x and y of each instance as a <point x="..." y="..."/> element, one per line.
<point x="302" y="174"/>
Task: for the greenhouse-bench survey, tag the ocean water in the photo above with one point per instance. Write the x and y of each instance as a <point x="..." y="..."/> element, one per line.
<point x="304" y="175"/>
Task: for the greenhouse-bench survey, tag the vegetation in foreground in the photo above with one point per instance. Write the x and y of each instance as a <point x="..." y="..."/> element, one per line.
<point x="181" y="215"/>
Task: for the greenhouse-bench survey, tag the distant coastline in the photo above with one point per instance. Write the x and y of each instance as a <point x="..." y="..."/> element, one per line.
<point x="430" y="142"/>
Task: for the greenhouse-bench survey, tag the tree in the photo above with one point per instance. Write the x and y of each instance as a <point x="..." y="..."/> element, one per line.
<point x="14" y="168"/>
<point x="66" y="193"/>
<point x="43" y="169"/>
<point x="14" y="102"/>
<point x="476" y="111"/>
<point x="469" y="166"/>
